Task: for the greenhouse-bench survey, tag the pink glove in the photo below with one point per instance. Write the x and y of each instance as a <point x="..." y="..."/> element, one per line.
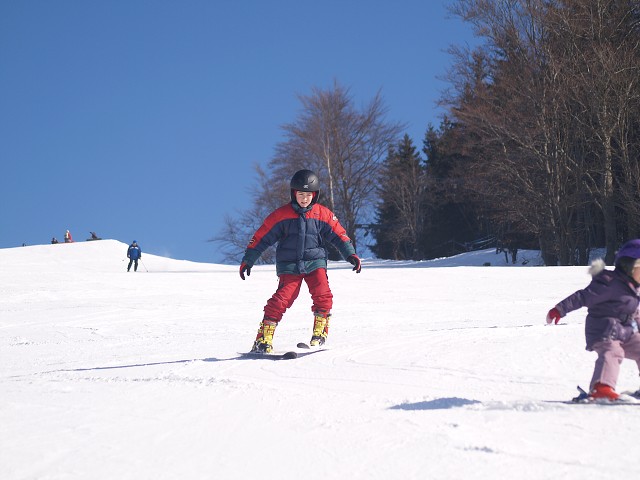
<point x="553" y="316"/>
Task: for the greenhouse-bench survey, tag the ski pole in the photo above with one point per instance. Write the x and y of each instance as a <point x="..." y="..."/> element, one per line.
<point x="145" y="267"/>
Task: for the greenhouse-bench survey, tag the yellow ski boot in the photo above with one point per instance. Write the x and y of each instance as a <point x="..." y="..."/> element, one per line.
<point x="320" y="328"/>
<point x="264" y="339"/>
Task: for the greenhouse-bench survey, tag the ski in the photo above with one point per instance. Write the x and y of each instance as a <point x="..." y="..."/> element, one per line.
<point x="280" y="356"/>
<point x="584" y="399"/>
<point x="606" y="403"/>
<point x="270" y="356"/>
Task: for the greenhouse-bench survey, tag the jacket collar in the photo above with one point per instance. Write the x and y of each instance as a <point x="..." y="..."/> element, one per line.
<point x="299" y="209"/>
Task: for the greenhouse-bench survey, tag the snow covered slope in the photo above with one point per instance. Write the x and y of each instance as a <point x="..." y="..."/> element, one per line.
<point x="432" y="372"/>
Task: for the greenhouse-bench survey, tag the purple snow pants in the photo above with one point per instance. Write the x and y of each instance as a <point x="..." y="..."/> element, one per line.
<point x="610" y="356"/>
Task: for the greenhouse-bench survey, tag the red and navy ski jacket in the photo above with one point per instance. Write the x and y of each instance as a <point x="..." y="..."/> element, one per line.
<point x="302" y="235"/>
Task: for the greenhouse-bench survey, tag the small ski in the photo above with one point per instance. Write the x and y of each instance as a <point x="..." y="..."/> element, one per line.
<point x="584" y="399"/>
<point x="279" y="356"/>
<point x="606" y="403"/>
<point x="270" y="356"/>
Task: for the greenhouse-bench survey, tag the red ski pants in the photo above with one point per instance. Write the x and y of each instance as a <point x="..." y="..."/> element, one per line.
<point x="289" y="288"/>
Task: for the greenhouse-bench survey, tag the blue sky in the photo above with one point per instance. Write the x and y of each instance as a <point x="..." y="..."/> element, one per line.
<point x="142" y="119"/>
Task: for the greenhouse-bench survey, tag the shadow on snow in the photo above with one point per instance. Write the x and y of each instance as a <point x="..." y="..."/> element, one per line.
<point x="437" y="404"/>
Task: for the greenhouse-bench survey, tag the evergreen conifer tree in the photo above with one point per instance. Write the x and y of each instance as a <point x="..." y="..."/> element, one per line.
<point x="400" y="213"/>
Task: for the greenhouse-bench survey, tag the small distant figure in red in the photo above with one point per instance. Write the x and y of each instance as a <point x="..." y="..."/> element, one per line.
<point x="67" y="237"/>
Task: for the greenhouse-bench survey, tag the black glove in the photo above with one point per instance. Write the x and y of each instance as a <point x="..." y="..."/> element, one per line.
<point x="244" y="268"/>
<point x="355" y="261"/>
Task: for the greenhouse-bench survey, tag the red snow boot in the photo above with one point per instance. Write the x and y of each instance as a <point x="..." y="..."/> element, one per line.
<point x="602" y="391"/>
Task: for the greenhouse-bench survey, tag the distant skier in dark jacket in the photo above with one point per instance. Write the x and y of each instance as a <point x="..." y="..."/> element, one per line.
<point x="302" y="229"/>
<point x="134" y="253"/>
<point x="611" y="327"/>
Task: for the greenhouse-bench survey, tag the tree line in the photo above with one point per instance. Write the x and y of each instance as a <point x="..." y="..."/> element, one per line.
<point x="539" y="147"/>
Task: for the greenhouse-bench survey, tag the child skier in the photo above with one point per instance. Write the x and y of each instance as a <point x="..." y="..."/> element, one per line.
<point x="611" y="327"/>
<point x="301" y="229"/>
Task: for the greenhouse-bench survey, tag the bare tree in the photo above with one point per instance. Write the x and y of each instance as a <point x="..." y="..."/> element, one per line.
<point x="602" y="69"/>
<point x="509" y="106"/>
<point x="343" y="145"/>
<point x="236" y="233"/>
<point x="549" y="101"/>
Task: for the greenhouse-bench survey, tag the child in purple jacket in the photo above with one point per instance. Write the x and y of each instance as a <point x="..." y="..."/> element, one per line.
<point x="611" y="327"/>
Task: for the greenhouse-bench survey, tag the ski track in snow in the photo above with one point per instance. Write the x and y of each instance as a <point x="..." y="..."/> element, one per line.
<point x="431" y="371"/>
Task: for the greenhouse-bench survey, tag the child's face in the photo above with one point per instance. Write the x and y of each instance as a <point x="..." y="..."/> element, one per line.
<point x="636" y="274"/>
<point x="304" y="198"/>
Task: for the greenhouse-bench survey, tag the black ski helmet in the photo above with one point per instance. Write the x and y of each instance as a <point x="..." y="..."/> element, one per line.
<point x="305" y="181"/>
